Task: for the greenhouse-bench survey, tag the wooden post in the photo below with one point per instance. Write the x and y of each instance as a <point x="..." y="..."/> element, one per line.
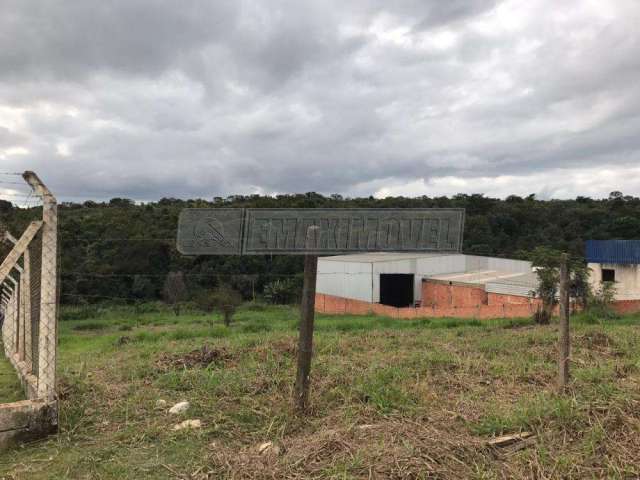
<point x="307" y="316"/>
<point x="563" y="340"/>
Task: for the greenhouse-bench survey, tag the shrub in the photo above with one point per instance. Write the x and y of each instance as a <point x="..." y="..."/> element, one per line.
<point x="282" y="291"/>
<point x="224" y="299"/>
<point x="175" y="290"/>
<point x="599" y="306"/>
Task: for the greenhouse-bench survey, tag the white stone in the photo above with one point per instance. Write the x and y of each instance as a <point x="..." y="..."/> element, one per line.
<point x="263" y="447"/>
<point x="268" y="448"/>
<point x="160" y="403"/>
<point x="180" y="407"/>
<point x="188" y="424"/>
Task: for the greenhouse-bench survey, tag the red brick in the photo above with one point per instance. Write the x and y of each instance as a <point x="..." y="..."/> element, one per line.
<point x="337" y="305"/>
<point x="443" y="295"/>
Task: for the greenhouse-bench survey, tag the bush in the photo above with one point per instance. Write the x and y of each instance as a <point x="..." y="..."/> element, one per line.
<point x="282" y="291"/>
<point x="175" y="290"/>
<point x="79" y="312"/>
<point x="224" y="299"/>
<point x="599" y="306"/>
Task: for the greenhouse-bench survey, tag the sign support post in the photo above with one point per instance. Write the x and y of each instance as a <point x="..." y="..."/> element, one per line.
<point x="314" y="232"/>
<point x="564" y="338"/>
<point x="307" y="317"/>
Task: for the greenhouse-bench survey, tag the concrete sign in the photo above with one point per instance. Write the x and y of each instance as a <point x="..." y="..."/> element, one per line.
<point x="260" y="231"/>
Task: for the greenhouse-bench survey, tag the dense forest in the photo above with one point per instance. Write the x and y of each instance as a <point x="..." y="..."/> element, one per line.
<point x="120" y="250"/>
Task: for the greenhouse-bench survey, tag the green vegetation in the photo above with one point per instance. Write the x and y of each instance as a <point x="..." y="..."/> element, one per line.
<point x="121" y="250"/>
<point x="10" y="388"/>
<point x="390" y="398"/>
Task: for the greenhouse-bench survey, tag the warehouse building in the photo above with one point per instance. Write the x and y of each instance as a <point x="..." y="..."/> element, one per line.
<point x="428" y="284"/>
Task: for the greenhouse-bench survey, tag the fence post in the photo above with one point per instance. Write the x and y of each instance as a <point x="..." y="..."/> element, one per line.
<point x="26" y="307"/>
<point x="47" y="343"/>
<point x="563" y="340"/>
<point x="307" y="316"/>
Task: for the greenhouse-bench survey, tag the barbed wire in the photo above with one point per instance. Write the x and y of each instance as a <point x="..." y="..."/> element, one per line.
<point x="117" y="239"/>
<point x="205" y="275"/>
<point x="4" y="182"/>
<point x="10" y="194"/>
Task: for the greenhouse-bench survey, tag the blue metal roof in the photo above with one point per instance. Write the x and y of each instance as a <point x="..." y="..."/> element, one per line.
<point x="613" y="251"/>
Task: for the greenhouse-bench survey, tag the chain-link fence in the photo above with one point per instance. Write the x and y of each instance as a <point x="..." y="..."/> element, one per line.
<point x="28" y="278"/>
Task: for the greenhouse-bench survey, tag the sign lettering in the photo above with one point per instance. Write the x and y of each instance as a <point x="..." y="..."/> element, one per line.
<point x="259" y="231"/>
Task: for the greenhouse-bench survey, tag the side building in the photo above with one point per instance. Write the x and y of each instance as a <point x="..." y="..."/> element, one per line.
<point x="409" y="285"/>
<point x="618" y="262"/>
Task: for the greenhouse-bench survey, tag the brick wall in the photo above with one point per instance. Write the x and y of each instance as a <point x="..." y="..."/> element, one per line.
<point x="439" y="294"/>
<point x="338" y="305"/>
<point x="626" y="306"/>
<point x="499" y="306"/>
<point x="501" y="299"/>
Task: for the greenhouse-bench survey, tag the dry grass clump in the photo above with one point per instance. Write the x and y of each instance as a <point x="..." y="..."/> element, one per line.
<point x="393" y="448"/>
<point x="201" y="357"/>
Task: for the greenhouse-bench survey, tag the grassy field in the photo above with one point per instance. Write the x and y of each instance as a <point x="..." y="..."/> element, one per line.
<point x="390" y="399"/>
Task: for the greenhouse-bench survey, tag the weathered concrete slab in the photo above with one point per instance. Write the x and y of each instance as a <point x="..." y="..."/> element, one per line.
<point x="26" y="420"/>
<point x="254" y="231"/>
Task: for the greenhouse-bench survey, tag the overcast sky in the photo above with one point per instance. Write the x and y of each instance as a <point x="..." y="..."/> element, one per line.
<point x="149" y="99"/>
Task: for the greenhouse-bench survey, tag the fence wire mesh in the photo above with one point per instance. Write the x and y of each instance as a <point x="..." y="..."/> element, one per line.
<point x="35" y="257"/>
<point x="28" y="278"/>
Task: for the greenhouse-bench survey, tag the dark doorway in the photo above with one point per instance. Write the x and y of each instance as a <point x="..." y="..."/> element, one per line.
<point x="396" y="289"/>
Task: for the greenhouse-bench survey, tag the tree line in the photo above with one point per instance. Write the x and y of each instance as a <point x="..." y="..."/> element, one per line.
<point x="123" y="251"/>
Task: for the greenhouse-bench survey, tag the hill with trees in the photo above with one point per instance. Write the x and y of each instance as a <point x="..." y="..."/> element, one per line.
<point x="121" y="250"/>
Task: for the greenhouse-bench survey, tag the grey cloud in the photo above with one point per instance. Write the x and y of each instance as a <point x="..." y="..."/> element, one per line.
<point x="76" y="38"/>
<point x="156" y="99"/>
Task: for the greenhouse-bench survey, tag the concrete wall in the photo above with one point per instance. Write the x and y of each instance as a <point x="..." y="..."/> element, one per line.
<point x="26" y="420"/>
<point x="627" y="279"/>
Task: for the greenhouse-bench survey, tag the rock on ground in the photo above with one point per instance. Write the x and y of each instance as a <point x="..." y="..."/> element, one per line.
<point x="188" y="424"/>
<point x="179" y="407"/>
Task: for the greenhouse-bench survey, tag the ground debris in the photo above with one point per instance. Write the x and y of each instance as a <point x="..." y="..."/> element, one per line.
<point x="201" y="357"/>
<point x="187" y="424"/>
<point x="423" y="448"/>
<point x="268" y="448"/>
<point x="596" y="339"/>
<point x="506" y="440"/>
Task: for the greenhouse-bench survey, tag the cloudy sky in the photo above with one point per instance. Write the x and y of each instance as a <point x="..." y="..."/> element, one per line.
<point x="147" y="99"/>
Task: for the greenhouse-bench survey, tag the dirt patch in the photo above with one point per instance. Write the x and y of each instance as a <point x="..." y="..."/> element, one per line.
<point x="285" y="347"/>
<point x="282" y="348"/>
<point x="597" y="340"/>
<point x="199" y="358"/>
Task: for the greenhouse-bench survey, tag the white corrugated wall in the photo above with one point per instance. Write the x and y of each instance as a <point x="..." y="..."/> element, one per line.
<point x="345" y="279"/>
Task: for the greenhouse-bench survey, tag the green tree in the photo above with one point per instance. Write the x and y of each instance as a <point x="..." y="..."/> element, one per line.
<point x="175" y="290"/>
